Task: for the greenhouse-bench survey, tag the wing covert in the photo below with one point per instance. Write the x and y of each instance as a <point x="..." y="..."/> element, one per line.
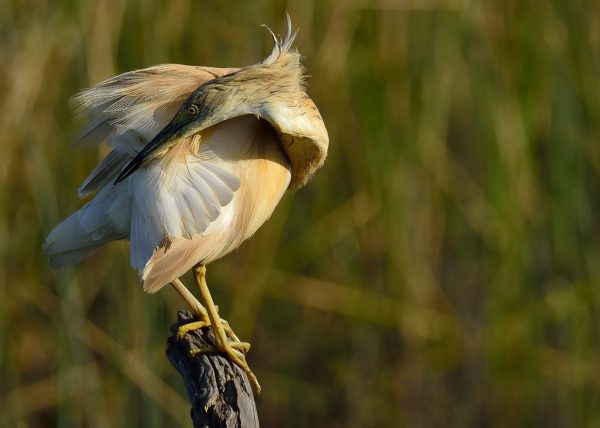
<point x="180" y="201"/>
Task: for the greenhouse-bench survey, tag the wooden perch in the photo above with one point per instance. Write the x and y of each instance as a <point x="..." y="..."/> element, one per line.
<point x="219" y="391"/>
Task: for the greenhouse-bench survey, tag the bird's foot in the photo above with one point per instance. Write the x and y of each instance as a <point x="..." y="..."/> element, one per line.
<point x="191" y="326"/>
<point x="205" y="322"/>
<point x="235" y="352"/>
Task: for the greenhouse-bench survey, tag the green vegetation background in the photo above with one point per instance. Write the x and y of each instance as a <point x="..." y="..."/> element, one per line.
<point x="442" y="269"/>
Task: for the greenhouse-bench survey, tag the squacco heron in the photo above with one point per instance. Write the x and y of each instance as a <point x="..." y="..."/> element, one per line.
<point x="199" y="159"/>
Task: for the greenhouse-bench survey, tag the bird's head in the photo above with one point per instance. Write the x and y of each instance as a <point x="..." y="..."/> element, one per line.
<point x="272" y="90"/>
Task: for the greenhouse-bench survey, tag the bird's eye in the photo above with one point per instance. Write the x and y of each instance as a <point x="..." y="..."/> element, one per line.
<point x="192" y="110"/>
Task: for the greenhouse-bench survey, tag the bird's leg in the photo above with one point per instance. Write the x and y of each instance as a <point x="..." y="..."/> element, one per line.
<point x="234" y="350"/>
<point x="195" y="306"/>
<point x="199" y="311"/>
<point x="189" y="298"/>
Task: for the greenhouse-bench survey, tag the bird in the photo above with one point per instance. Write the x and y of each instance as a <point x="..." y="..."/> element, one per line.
<point x="199" y="159"/>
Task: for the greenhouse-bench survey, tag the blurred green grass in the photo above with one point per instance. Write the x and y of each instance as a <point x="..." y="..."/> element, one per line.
<point x="442" y="269"/>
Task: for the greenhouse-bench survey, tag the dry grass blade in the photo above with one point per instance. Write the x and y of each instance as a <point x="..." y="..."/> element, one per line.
<point x="45" y="393"/>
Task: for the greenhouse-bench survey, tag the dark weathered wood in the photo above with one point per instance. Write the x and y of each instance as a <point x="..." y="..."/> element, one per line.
<point x="219" y="391"/>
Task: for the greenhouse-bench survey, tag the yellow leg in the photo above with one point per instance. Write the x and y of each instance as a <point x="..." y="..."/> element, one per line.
<point x="189" y="298"/>
<point x="234" y="350"/>
<point x="199" y="311"/>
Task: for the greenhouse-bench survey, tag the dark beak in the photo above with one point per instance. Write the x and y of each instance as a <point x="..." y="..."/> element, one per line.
<point x="164" y="138"/>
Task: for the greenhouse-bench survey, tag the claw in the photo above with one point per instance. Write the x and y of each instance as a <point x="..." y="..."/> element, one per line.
<point x="186" y="328"/>
<point x="197" y="325"/>
<point x="243" y="347"/>
<point x="236" y="353"/>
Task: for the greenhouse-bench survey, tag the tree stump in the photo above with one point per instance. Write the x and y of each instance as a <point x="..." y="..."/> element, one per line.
<point x="219" y="391"/>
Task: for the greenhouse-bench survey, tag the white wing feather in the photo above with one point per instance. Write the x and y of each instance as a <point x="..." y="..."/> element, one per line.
<point x="180" y="203"/>
<point x="125" y="147"/>
<point x="104" y="219"/>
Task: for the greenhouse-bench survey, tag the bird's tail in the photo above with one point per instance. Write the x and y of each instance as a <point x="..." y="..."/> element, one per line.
<point x="69" y="243"/>
<point x="106" y="218"/>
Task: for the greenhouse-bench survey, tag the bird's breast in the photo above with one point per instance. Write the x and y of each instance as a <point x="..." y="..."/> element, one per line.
<point x="249" y="148"/>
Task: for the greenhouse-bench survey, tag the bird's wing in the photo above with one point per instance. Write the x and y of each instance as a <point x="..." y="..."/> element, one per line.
<point x="175" y="197"/>
<point x="130" y="109"/>
<point x="105" y="218"/>
<point x="125" y="147"/>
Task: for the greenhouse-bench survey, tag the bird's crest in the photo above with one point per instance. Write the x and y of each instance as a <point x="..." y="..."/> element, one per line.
<point x="282" y="46"/>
